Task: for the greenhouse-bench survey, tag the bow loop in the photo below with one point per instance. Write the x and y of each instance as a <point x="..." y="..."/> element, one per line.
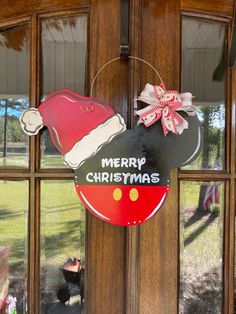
<point x="164" y="104"/>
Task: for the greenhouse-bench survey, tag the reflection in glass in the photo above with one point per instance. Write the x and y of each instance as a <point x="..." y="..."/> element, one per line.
<point x="201" y="247"/>
<point x="203" y="74"/>
<point x="62" y="238"/>
<point x="13" y="242"/>
<point x="14" y="95"/>
<point x="64" y="48"/>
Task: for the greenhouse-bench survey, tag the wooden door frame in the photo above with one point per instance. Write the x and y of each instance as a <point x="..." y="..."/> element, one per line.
<point x="143" y="252"/>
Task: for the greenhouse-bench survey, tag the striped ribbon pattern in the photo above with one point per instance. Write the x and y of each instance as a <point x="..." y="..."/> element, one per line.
<point x="164" y="105"/>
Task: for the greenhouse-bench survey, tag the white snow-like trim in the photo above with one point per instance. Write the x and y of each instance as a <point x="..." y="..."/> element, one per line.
<point x="91" y="143"/>
<point x="31" y="121"/>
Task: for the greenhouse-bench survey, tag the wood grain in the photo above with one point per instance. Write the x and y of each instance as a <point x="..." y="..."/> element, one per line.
<point x="159" y="236"/>
<point x="133" y="233"/>
<point x="129" y="270"/>
<point x="105" y="289"/>
<point x="232" y="54"/>
<point x="230" y="250"/>
<point x="17" y="8"/>
<point x="214" y="7"/>
<point x="33" y="223"/>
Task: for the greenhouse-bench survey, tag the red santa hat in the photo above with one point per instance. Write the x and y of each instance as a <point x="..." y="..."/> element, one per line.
<point x="79" y="126"/>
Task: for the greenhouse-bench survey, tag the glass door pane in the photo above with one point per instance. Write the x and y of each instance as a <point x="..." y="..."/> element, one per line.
<point x="13" y="244"/>
<point x="201" y="247"/>
<point x="62" y="248"/>
<point x="64" y="52"/>
<point x="14" y="95"/>
<point x="203" y="74"/>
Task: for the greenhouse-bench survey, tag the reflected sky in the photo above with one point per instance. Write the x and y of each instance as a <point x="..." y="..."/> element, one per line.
<point x="17" y="105"/>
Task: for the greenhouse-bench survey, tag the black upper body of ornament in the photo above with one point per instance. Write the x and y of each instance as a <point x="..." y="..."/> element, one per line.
<point x="142" y="156"/>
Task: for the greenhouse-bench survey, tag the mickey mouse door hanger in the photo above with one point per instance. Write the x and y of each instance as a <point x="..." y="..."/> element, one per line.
<point x="121" y="176"/>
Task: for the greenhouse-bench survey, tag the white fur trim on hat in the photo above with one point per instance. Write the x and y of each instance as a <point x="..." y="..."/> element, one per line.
<point x="31" y="121"/>
<point x="91" y="143"/>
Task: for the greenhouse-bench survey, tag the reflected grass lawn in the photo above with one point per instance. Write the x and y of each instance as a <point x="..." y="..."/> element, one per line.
<point x="62" y="233"/>
<point x="201" y="231"/>
<point x="201" y="238"/>
<point x="13" y="221"/>
<point x="19" y="161"/>
<point x="62" y="221"/>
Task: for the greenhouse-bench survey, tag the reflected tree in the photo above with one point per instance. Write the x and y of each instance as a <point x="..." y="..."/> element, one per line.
<point x="9" y="121"/>
<point x="212" y="144"/>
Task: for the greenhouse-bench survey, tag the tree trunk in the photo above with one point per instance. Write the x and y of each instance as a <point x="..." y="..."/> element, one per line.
<point x="5" y="130"/>
<point x="205" y="157"/>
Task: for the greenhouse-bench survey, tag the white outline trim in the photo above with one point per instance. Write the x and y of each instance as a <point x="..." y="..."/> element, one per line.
<point x="197" y="148"/>
<point x="92" y="208"/>
<point x="158" y="206"/>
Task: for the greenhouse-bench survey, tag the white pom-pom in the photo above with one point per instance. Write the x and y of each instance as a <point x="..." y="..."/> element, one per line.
<point x="31" y="121"/>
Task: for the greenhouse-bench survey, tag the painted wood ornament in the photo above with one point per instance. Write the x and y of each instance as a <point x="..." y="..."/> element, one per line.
<point x="121" y="176"/>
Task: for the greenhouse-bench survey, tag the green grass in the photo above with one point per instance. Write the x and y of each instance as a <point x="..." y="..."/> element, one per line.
<point x="202" y="236"/>
<point x="21" y="161"/>
<point x="63" y="222"/>
<point x="62" y="232"/>
<point x="52" y="161"/>
<point x="13" y="220"/>
<point x="62" y="228"/>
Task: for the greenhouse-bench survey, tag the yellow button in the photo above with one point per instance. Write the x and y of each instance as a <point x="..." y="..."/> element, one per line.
<point x="117" y="194"/>
<point x="133" y="194"/>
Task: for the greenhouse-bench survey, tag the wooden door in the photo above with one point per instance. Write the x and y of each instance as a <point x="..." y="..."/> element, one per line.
<point x="169" y="249"/>
<point x="128" y="270"/>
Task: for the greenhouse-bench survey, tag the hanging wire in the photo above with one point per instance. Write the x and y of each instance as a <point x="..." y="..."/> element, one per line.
<point x="118" y="58"/>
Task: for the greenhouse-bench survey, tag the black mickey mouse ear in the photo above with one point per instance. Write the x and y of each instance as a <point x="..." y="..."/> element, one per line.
<point x="184" y="148"/>
<point x="173" y="150"/>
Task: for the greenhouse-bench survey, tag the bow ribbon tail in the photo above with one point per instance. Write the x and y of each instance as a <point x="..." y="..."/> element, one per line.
<point x="180" y="123"/>
<point x="168" y="121"/>
<point x="164" y="127"/>
<point x="150" y="116"/>
<point x="172" y="121"/>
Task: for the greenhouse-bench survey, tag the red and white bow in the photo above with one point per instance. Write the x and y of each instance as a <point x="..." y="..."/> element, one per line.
<point x="164" y="104"/>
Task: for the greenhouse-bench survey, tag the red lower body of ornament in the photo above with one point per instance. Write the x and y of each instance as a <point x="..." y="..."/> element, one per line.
<point x="123" y="205"/>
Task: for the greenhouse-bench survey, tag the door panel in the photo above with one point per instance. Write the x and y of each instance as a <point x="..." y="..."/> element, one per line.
<point x="159" y="236"/>
<point x="128" y="270"/>
<point x="106" y="243"/>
